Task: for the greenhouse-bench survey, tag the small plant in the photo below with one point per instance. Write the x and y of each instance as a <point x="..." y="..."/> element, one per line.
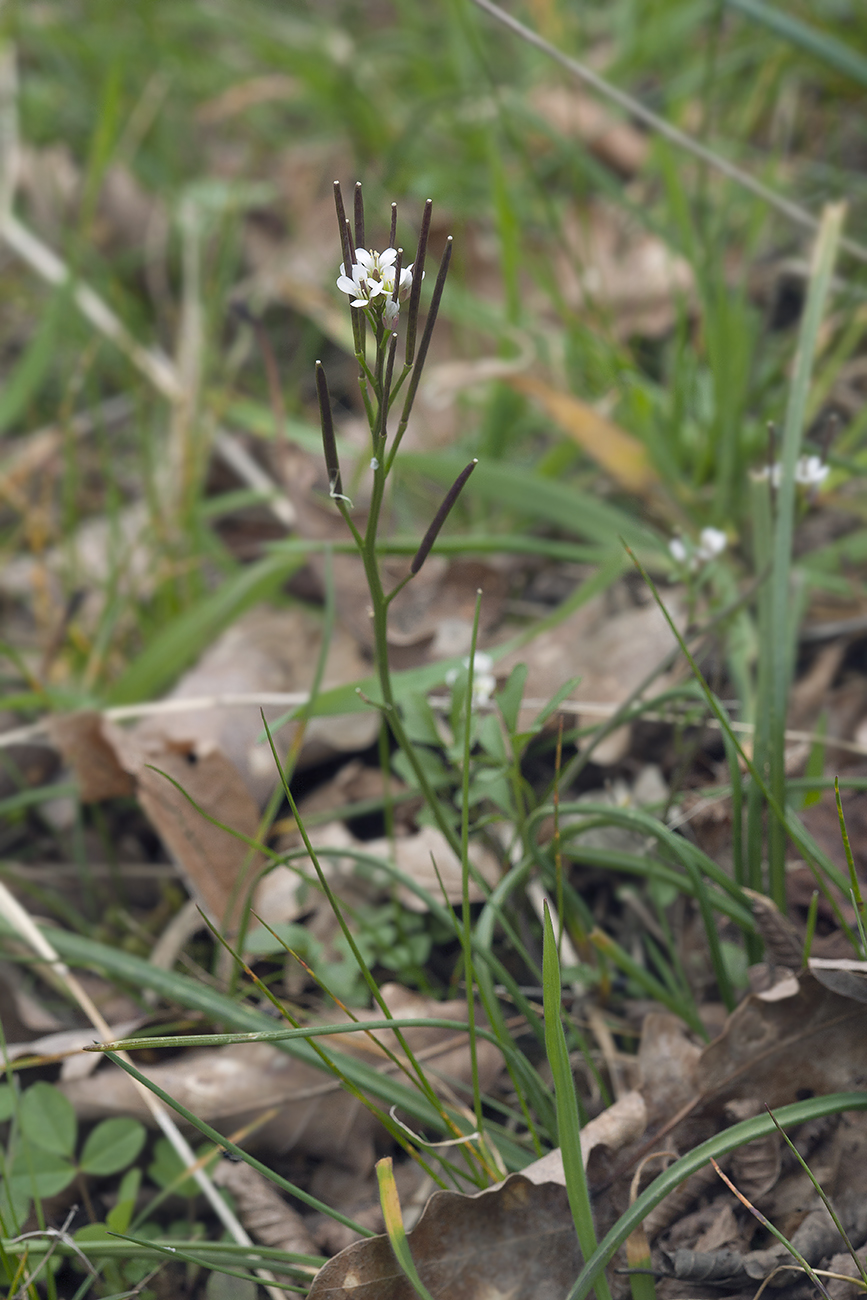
<point x="40" y="1159"/>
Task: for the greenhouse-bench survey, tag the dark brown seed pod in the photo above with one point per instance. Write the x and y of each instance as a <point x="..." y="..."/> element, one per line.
<point x="343" y="230"/>
<point x="417" y="276"/>
<point x="440" y="517"/>
<point x="386" y="387"/>
<point x="428" y="330"/>
<point x="392" y="234"/>
<point x="329" y="443"/>
<point x="359" y="217"/>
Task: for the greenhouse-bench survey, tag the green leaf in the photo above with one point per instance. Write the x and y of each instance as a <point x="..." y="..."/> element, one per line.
<point x="837" y="54"/>
<point x="39" y="1173"/>
<point x="48" y="1119"/>
<point x="112" y="1146"/>
<point x="120" y="1215"/>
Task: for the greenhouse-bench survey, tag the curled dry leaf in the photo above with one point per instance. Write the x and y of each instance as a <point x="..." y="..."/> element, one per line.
<point x="262" y="1210"/>
<point x="798" y="1038"/>
<point x="515" y="1239"/>
<point x="215" y="754"/>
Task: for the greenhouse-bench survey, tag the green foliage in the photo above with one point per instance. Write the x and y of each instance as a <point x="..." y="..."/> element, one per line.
<point x="40" y="1157"/>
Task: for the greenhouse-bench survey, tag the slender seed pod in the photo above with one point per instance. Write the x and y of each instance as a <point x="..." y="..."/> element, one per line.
<point x="392" y="234"/>
<point x="329" y="442"/>
<point x="359" y="217"/>
<point x="417" y="276"/>
<point x="386" y="387"/>
<point x="398" y="262"/>
<point x="428" y="330"/>
<point x="440" y="517"/>
<point x="343" y="232"/>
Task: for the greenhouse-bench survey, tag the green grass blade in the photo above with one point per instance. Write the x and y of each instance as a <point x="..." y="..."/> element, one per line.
<point x="780" y="647"/>
<point x="844" y="58"/>
<point x="568" y="1123"/>
<point x="391" y="1213"/>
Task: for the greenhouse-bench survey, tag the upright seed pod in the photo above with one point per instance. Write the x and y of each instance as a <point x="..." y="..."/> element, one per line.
<point x="440" y="517"/>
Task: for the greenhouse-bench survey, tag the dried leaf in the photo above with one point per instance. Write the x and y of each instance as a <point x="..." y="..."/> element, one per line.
<point x="262" y="1210"/>
<point x="89" y="752"/>
<point x="611" y="649"/>
<point x="572" y="112"/>
<point x="515" y="1239"/>
<point x="799" y="1038"/>
<point x="624" y="457"/>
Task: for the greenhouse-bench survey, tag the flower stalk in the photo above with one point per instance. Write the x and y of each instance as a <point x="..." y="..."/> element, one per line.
<point x="378" y="283"/>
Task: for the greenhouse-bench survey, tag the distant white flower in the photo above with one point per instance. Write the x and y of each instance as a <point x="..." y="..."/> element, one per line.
<point x="484" y="681"/>
<point x="809" y="472"/>
<point x="711" y="543"/>
<point x="372" y="277"/>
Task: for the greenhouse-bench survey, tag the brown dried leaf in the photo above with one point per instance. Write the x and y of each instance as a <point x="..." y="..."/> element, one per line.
<point x="268" y="650"/>
<point x="610" y="649"/>
<point x="798" y="1037"/>
<point x="612" y="263"/>
<point x="89" y="752"/>
<point x="624" y="457"/>
<point x="262" y="1210"/>
<point x="513" y="1239"/>
<point x="572" y="112"/>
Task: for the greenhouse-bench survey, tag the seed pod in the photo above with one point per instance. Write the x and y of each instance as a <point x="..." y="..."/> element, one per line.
<point x="417" y="277"/>
<point x="329" y="443"/>
<point x="440" y="517"/>
<point x="359" y="217"/>
<point x="343" y="232"/>
<point x="428" y="327"/>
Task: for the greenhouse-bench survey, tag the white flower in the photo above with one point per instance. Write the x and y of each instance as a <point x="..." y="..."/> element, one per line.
<point x="811" y="472"/>
<point x="484" y="681"/>
<point x="372" y="277"/>
<point x="712" y="542"/>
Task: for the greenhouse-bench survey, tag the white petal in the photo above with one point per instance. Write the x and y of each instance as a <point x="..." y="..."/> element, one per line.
<point x="388" y="257"/>
<point x="713" y="542"/>
<point x="677" y="549"/>
<point x="360" y="302"/>
<point x="345" y="285"/>
<point x="364" y="258"/>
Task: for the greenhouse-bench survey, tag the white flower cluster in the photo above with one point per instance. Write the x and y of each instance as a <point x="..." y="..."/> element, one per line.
<point x="711" y="543"/>
<point x="484" y="681"/>
<point x="809" y="472"/>
<point x="372" y="277"/>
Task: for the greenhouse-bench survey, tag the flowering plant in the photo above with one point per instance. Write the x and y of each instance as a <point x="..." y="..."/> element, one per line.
<point x="377" y="284"/>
